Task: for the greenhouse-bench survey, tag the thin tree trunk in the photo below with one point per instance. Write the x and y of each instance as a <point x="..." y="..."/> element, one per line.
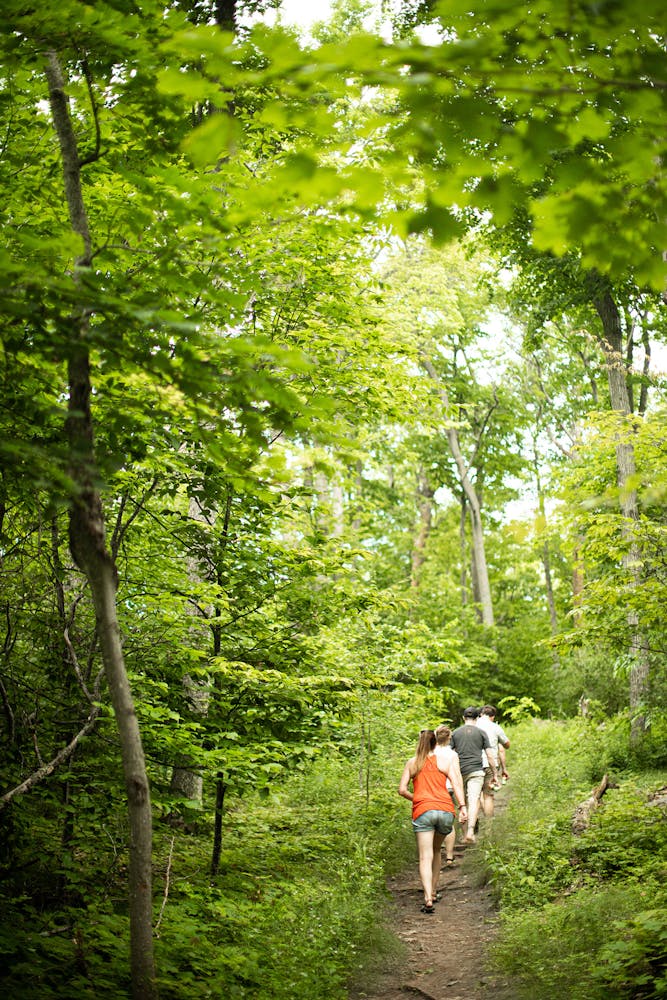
<point x="548" y="583"/>
<point x="89" y="550"/>
<point x="463" y="548"/>
<point x="425" y="494"/>
<point x="546" y="557"/>
<point x="220" y="784"/>
<point x="577" y="584"/>
<point x="479" y="554"/>
<point x="66" y="790"/>
<point x="220" y="789"/>
<point x="646" y="367"/>
<point x="185" y="782"/>
<point x="612" y="344"/>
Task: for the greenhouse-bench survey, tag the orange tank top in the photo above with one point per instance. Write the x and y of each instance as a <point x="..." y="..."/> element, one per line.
<point x="430" y="790"/>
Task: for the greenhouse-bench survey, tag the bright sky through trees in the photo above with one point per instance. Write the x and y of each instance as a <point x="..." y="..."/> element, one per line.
<point x="305" y="12"/>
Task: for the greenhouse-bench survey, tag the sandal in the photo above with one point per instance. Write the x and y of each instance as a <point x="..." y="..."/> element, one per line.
<point x="428" y="908"/>
<point x="449" y="862"/>
<point x="437" y="897"/>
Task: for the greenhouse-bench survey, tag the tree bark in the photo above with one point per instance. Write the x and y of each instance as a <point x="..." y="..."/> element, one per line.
<point x="185" y="782"/>
<point x="89" y="550"/>
<point x="425" y="494"/>
<point x="646" y="368"/>
<point x="220" y="789"/>
<point x="480" y="569"/>
<point x="463" y="549"/>
<point x="577" y="584"/>
<point x="612" y="345"/>
<point x="359" y="491"/>
<point x="546" y="556"/>
<point x="582" y="816"/>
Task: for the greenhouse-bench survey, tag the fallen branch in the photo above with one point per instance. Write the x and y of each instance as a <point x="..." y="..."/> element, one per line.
<point x="156" y="929"/>
<point x="582" y="814"/>
<point x="659" y="797"/>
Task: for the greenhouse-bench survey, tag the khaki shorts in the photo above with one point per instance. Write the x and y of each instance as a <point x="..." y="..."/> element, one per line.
<point x="473" y="783"/>
<point x="489" y="781"/>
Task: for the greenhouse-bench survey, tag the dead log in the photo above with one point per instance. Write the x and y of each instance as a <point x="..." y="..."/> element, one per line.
<point x="659" y="797"/>
<point x="582" y="814"/>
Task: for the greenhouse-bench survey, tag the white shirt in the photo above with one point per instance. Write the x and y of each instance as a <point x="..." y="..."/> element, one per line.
<point x="495" y="733"/>
<point x="444" y="756"/>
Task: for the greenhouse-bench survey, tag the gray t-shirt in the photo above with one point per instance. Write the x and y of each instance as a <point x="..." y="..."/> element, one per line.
<point x="469" y="742"/>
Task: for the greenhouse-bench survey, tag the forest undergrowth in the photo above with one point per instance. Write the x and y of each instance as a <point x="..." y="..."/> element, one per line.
<point x="297" y="907"/>
<point x="582" y="916"/>
<point x="292" y="912"/>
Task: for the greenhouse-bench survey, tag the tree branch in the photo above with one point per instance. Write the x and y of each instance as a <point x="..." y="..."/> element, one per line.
<point x="95" y="155"/>
<point x="120" y="528"/>
<point x="47" y="769"/>
<point x="156" y="929"/>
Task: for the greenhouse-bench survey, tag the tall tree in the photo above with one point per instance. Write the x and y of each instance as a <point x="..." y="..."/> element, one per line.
<point x="89" y="549"/>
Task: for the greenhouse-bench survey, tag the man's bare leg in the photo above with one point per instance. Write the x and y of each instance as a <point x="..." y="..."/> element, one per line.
<point x="473" y="793"/>
<point x="450" y="843"/>
<point x="425" y="841"/>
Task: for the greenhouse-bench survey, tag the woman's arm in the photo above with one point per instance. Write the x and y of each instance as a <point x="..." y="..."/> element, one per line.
<point x="406" y="778"/>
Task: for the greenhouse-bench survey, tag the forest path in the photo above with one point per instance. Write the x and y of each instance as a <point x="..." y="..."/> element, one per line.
<point x="446" y="950"/>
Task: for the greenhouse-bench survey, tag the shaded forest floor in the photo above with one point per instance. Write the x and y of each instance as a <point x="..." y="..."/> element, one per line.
<point x="445" y="955"/>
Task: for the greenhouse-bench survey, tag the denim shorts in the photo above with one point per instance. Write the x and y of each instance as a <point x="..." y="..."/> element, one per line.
<point x="434" y="820"/>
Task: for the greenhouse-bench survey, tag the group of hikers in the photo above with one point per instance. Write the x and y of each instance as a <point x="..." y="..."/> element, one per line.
<point x="460" y="769"/>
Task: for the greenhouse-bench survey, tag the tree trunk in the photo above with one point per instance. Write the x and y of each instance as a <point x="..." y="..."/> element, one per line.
<point x="546" y="557"/>
<point x="67" y="734"/>
<point x="185" y="782"/>
<point x="425" y="501"/>
<point x="577" y="584"/>
<point x="359" y="488"/>
<point x="463" y="549"/>
<point x="220" y="789"/>
<point x="89" y="550"/>
<point x="612" y="345"/>
<point x="548" y="583"/>
<point x="646" y="368"/>
<point x="478" y="551"/>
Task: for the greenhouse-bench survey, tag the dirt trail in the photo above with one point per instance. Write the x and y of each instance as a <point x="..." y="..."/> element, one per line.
<point x="446" y="949"/>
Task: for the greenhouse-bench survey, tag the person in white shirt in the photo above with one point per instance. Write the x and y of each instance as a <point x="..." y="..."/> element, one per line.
<point x="446" y="755"/>
<point x="499" y="743"/>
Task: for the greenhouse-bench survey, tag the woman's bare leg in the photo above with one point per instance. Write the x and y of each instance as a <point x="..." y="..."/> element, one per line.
<point x="438" y="839"/>
<point x="425" y="848"/>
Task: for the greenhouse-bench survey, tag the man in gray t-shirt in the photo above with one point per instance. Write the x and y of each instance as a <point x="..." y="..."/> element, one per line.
<point x="470" y="743"/>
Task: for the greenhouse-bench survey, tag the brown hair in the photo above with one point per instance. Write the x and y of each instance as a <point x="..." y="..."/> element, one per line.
<point x="442" y="734"/>
<point x="489" y="710"/>
<point x="424" y="748"/>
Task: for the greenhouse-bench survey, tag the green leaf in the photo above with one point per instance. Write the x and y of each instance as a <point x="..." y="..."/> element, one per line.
<point x="215" y="139"/>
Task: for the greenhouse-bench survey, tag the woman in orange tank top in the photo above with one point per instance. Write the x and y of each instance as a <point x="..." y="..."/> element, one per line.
<point x="432" y="808"/>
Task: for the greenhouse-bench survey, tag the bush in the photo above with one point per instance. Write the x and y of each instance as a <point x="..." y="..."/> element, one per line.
<point x="582" y="916"/>
<point x="562" y="949"/>
<point x="634" y="962"/>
